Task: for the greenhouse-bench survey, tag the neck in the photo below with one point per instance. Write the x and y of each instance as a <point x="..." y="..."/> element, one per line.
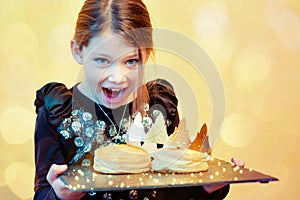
<point x="85" y="89"/>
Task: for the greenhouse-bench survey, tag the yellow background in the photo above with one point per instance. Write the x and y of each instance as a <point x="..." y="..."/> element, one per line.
<point x="254" y="44"/>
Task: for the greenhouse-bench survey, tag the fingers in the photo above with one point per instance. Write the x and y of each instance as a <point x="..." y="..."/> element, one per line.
<point x="54" y="172"/>
<point x="63" y="192"/>
<point x="59" y="187"/>
<point x="236" y="162"/>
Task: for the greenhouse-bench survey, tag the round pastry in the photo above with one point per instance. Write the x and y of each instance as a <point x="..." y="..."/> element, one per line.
<point x="179" y="160"/>
<point x="121" y="158"/>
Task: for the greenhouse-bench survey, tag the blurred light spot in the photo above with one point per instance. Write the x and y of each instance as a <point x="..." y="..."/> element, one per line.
<point x="223" y="52"/>
<point x="19" y="40"/>
<point x="8" y="6"/>
<point x="11" y="154"/>
<point x="253" y="64"/>
<point x="290" y="39"/>
<point x="212" y="22"/>
<point x="280" y="17"/>
<point x="239" y="130"/>
<point x="59" y="43"/>
<point x="285" y="21"/>
<point x="6" y="159"/>
<point x="17" y="176"/>
<point x="18" y="77"/>
<point x="17" y="125"/>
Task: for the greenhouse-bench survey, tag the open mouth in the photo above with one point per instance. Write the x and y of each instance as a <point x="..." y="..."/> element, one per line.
<point x="113" y="94"/>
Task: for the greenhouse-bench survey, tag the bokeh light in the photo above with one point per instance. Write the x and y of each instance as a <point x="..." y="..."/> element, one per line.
<point x="19" y="40"/>
<point x="59" y="42"/>
<point x="251" y="65"/>
<point x="17" y="176"/>
<point x="15" y="79"/>
<point x="280" y="17"/>
<point x="21" y="121"/>
<point x="285" y="21"/>
<point x="239" y="130"/>
<point x="212" y="22"/>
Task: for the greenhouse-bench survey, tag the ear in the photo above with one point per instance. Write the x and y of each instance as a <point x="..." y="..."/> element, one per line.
<point x="76" y="52"/>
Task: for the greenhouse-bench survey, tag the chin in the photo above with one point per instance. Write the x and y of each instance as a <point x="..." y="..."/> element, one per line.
<point x="113" y="105"/>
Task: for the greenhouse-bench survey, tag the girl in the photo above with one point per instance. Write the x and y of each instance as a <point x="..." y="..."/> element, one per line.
<point x="113" y="41"/>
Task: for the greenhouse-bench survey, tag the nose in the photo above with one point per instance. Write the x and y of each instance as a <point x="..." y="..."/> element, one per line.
<point x="117" y="73"/>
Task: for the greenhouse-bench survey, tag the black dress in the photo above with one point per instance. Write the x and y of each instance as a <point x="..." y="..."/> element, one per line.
<point x="55" y="103"/>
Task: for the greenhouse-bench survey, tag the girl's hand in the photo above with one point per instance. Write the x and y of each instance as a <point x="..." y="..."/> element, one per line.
<point x="214" y="187"/>
<point x="60" y="189"/>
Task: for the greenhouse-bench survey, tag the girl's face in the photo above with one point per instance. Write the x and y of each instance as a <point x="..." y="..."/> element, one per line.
<point x="111" y="69"/>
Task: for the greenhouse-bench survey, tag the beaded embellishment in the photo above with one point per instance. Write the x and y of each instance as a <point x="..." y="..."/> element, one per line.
<point x="87" y="131"/>
<point x="90" y="133"/>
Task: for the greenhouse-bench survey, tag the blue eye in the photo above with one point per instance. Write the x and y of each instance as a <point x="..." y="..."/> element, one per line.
<point x="131" y="62"/>
<point x="102" y="61"/>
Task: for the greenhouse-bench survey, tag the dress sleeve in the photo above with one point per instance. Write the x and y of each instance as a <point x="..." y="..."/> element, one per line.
<point x="57" y="100"/>
<point x="163" y="98"/>
<point x="51" y="104"/>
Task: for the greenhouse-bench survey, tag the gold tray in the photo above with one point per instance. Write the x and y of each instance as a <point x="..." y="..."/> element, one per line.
<point x="219" y="172"/>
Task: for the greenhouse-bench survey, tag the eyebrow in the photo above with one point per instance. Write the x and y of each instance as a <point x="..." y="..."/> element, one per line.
<point x="100" y="54"/>
<point x="130" y="54"/>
